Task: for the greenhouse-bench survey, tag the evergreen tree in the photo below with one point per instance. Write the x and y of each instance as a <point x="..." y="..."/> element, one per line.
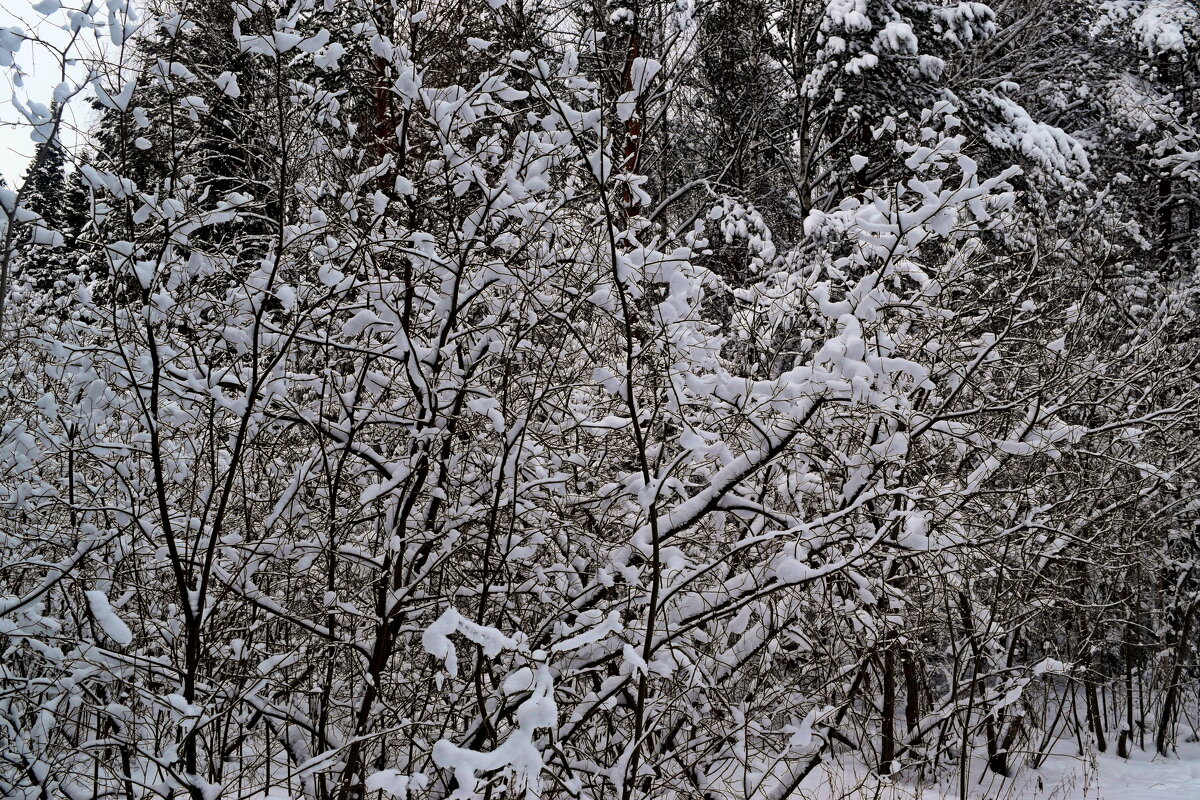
<point x="45" y="194"/>
<point x="46" y="182"/>
<point x="76" y="207"/>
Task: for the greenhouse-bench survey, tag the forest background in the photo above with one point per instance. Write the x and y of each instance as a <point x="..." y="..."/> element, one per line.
<point x="521" y="398"/>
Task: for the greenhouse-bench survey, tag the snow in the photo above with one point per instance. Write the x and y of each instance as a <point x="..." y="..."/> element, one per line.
<point x="518" y="753"/>
<point x="540" y="489"/>
<point x="227" y="83"/>
<point x="11" y="40"/>
<point x="1166" y="26"/>
<point x="393" y="782"/>
<point x="1142" y="777"/>
<point x="107" y="618"/>
<point x="1064" y="776"/>
<point x="436" y="638"/>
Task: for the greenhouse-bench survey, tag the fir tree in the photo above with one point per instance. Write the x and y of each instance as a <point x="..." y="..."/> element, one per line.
<point x="45" y="193"/>
<point x="76" y="207"/>
<point x="46" y="182"/>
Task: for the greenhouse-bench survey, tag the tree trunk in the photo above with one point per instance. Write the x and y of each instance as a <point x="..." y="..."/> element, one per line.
<point x="887" y="748"/>
<point x="1166" y="722"/>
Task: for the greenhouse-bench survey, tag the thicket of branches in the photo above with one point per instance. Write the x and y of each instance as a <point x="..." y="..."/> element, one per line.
<point x="516" y="399"/>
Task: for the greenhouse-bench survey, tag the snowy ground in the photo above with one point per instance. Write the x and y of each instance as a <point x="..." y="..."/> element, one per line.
<point x="1065" y="777"/>
<point x="1141" y="777"/>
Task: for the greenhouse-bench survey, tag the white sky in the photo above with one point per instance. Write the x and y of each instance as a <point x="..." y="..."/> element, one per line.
<point x="42" y="72"/>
